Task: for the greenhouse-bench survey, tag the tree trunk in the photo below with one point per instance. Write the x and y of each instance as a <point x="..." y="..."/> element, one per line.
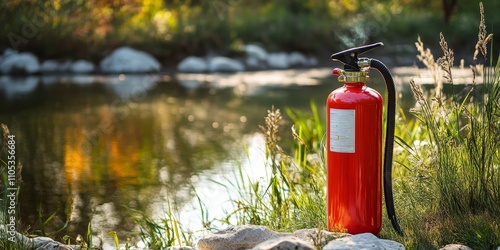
<point x="448" y="9"/>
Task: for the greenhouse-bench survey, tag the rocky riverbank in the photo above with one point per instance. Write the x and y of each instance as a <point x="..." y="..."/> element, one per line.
<point x="253" y="59"/>
<point x="130" y="60"/>
<point x="258" y="238"/>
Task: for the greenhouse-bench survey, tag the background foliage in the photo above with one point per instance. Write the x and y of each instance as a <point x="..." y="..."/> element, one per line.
<point x="170" y="29"/>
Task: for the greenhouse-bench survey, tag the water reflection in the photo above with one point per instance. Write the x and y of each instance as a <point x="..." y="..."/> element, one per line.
<point x="12" y="87"/>
<point x="93" y="147"/>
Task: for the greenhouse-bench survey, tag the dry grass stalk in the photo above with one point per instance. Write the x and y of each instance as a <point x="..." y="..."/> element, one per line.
<point x="482" y="37"/>
<point x="446" y="61"/>
<point x="426" y="57"/>
<point x="422" y="106"/>
<point x="417" y="92"/>
<point x="473" y="75"/>
<point x="296" y="136"/>
<point x="273" y="121"/>
<point x="6" y="134"/>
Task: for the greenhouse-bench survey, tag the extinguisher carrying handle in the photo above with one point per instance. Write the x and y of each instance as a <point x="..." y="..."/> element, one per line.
<point x="389" y="142"/>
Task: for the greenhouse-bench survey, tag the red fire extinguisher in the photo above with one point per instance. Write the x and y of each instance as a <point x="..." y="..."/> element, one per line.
<point x="354" y="158"/>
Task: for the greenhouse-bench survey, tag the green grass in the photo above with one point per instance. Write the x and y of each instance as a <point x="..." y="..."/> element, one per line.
<point x="449" y="184"/>
<point x="291" y="195"/>
<point x="447" y="174"/>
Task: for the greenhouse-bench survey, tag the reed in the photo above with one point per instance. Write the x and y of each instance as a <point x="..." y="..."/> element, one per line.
<point x="292" y="195"/>
<point x="453" y="182"/>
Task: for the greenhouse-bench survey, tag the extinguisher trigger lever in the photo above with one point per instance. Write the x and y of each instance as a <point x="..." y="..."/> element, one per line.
<point x="349" y="57"/>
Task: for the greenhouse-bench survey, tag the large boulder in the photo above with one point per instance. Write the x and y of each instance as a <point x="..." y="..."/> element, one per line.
<point x="129" y="60"/>
<point x="46" y="243"/>
<point x="288" y="242"/>
<point x="261" y="238"/>
<point x="256" y="57"/>
<point x="255" y="51"/>
<point x="278" y="60"/>
<point x="37" y="243"/>
<point x="180" y="248"/>
<point x="366" y="241"/>
<point x="297" y="59"/>
<point x="12" y="62"/>
<point x="318" y="237"/>
<point x="225" y="64"/>
<point x="456" y="247"/>
<point x="254" y="63"/>
<point x="237" y="237"/>
<point x="82" y="67"/>
<point x="193" y="64"/>
<point x="50" y="66"/>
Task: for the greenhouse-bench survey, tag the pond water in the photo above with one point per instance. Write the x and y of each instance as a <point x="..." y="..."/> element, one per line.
<point x="94" y="147"/>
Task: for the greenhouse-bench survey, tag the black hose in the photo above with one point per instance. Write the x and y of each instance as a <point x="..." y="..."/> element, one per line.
<point x="389" y="142"/>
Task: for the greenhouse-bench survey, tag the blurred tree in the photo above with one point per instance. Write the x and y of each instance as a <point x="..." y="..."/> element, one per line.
<point x="172" y="28"/>
<point x="449" y="7"/>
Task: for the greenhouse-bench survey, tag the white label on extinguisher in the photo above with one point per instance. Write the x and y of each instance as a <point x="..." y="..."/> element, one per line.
<point x="342" y="130"/>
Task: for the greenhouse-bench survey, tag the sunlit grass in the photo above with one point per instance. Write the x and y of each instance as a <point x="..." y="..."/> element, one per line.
<point x="449" y="186"/>
<point x="447" y="179"/>
<point x="290" y="195"/>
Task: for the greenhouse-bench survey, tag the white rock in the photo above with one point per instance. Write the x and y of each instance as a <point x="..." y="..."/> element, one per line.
<point x="40" y="241"/>
<point x="18" y="238"/>
<point x="255" y="51"/>
<point x="15" y="62"/>
<point x="365" y="241"/>
<point x="455" y="247"/>
<point x="82" y="66"/>
<point x="193" y="64"/>
<point x="278" y="60"/>
<point x="312" y="61"/>
<point x="253" y="62"/>
<point x="35" y="243"/>
<point x="49" y="66"/>
<point x="126" y="59"/>
<point x="180" y="248"/>
<point x="359" y="241"/>
<point x="316" y="236"/>
<point x="390" y="244"/>
<point x="297" y="59"/>
<point x="236" y="237"/>
<point x="289" y="242"/>
<point x="225" y="64"/>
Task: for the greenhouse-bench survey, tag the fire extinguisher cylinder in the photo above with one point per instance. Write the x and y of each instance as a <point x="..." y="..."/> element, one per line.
<point x="354" y="144"/>
<point x="354" y="158"/>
